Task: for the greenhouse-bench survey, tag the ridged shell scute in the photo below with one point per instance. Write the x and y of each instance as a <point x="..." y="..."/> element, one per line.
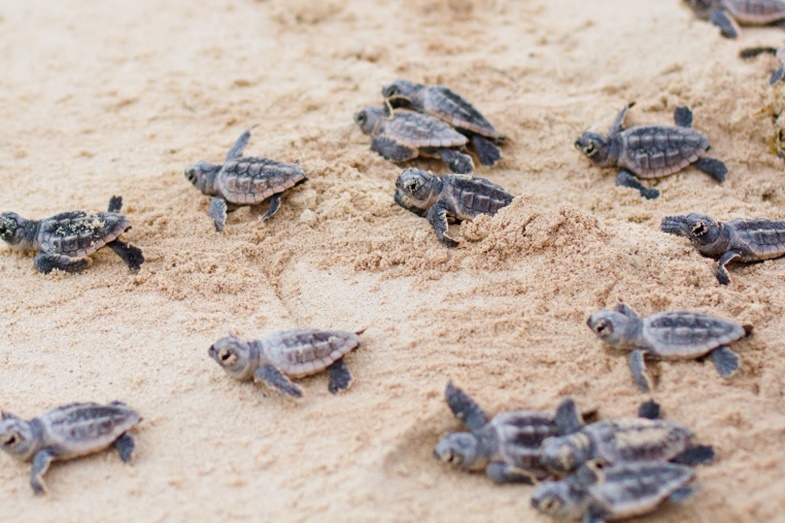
<point x="688" y="334"/>
<point x="79" y="233"/>
<point x="251" y="180"/>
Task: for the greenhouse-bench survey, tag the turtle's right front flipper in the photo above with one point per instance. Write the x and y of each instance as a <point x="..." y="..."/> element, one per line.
<point x="722" y="19"/>
<point x="457" y="162"/>
<point x="437" y="216"/>
<point x="626" y="179"/>
<point x="487" y="152"/>
<point x="43" y="458"/>
<point x="217" y="212"/>
<point x="274" y="378"/>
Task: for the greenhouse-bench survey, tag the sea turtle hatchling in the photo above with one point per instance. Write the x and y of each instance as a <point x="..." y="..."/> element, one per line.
<point x="444" y="104"/>
<point x="729" y="14"/>
<point x="622" y="491"/>
<point x="66" y="240"/>
<point x="243" y="180"/>
<point x="779" y="72"/>
<point x="743" y="240"/>
<point x="651" y="151"/>
<point x="619" y="440"/>
<point x="449" y="196"/>
<point x="405" y="135"/>
<point x="506" y="447"/>
<point x="668" y="336"/>
<point x="68" y="432"/>
<point x="288" y="354"/>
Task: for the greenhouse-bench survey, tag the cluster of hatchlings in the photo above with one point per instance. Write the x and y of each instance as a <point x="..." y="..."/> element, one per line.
<point x="611" y="468"/>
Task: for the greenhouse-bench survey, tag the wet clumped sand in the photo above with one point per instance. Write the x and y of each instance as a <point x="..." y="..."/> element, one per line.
<point x="119" y="98"/>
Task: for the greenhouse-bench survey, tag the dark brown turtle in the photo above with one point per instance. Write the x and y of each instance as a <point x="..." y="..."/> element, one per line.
<point x="243" y="180"/>
<point x="405" y="135"/>
<point x="669" y="336"/>
<point x="729" y="14"/>
<point x="68" y="432"/>
<point x="444" y="104"/>
<point x="288" y="354"/>
<point x="651" y="151"/>
<point x="622" y="491"/>
<point x="742" y="240"/>
<point x="457" y="197"/>
<point x="66" y="240"/>
<point x="779" y="72"/>
<point x="507" y="447"/>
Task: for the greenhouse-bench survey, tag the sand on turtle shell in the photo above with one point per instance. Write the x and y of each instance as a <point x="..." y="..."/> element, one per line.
<point x="119" y="97"/>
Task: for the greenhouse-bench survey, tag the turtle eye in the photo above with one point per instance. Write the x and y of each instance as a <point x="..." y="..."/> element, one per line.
<point x="412" y="186"/>
<point x="700" y="229"/>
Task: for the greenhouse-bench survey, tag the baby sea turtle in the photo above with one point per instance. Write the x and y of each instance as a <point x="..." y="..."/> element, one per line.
<point x="405" y="135"/>
<point x="779" y="72"/>
<point x="243" y="180"/>
<point x="619" y="440"/>
<point x="742" y="240"/>
<point x="622" y="491"/>
<point x="506" y="447"/>
<point x="288" y="354"/>
<point x="68" y="432"/>
<point x="729" y="14"/>
<point x="669" y="336"/>
<point x="651" y="151"/>
<point x="449" y="196"/>
<point x="67" y="239"/>
<point x="441" y="102"/>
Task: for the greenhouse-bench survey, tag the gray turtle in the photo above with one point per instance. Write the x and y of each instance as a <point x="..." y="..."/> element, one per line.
<point x="619" y="440"/>
<point x="68" y="432"/>
<point x="668" y="336"/>
<point x="448" y="197"/>
<point x="506" y="447"/>
<point x="622" y="491"/>
<point x="67" y="239"/>
<point x="651" y="151"/>
<point x="743" y="240"/>
<point x="779" y="72"/>
<point x="444" y="104"/>
<point x="288" y="354"/>
<point x="405" y="135"/>
<point x="243" y="180"/>
<point x="729" y="14"/>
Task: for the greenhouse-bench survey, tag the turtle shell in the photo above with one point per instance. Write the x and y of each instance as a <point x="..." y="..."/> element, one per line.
<point x="652" y="151"/>
<point x="676" y="335"/>
<point x="301" y="352"/>
<point x="251" y="180"/>
<point x="637" y="439"/>
<point x="78" y="233"/>
<point x="446" y="105"/>
<point x="520" y="435"/>
<point x="420" y="130"/>
<point x="755" y="12"/>
<point x="764" y="239"/>
<point x="472" y="196"/>
<point x="81" y="428"/>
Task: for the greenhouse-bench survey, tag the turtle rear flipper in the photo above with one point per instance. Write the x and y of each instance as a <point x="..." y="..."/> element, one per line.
<point x="696" y="455"/>
<point x="487" y="152"/>
<point x="131" y="255"/>
<point x="115" y="204"/>
<point x="464" y="408"/>
<point x="457" y="162"/>
<point x="722" y="19"/>
<point x="681" y="494"/>
<point x="125" y="446"/>
<point x="713" y="167"/>
<point x="340" y="377"/>
<point x="725" y="361"/>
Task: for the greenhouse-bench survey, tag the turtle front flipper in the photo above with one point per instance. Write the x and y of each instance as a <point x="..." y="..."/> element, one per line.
<point x="722" y="273"/>
<point x="399" y="199"/>
<point x="777" y="75"/>
<point x="618" y="123"/>
<point x="487" y="152"/>
<point x="340" y="377"/>
<point x="239" y="146"/>
<point x="465" y="408"/>
<point x="457" y="162"/>
<point x="682" y="116"/>
<point x="695" y="455"/>
<point x="115" y="204"/>
<point x="131" y="255"/>
<point x="391" y="149"/>
<point x="725" y="361"/>
<point x="43" y="458"/>
<point x="46" y="262"/>
<point x="626" y="179"/>
<point x="628" y="311"/>
<point x="217" y="212"/>
<point x="125" y="446"/>
<point x="500" y="472"/>
<point x="722" y="19"/>
<point x="567" y="419"/>
<point x="274" y="378"/>
<point x="275" y="203"/>
<point x="638" y="368"/>
<point x="713" y="167"/>
<point x="437" y="216"/>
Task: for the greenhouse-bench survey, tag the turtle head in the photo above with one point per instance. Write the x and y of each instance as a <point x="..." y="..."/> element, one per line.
<point x="13" y="228"/>
<point x="460" y="450"/>
<point x="614" y="328"/>
<point x="202" y="175"/>
<point x="594" y="146"/>
<point x="368" y="119"/>
<point x="698" y="228"/>
<point x="237" y="357"/>
<point x="18" y="437"/>
<point x="702" y="8"/>
<point x="564" y="454"/>
<point x="402" y="89"/>
<point x="559" y="499"/>
<point x="419" y="187"/>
